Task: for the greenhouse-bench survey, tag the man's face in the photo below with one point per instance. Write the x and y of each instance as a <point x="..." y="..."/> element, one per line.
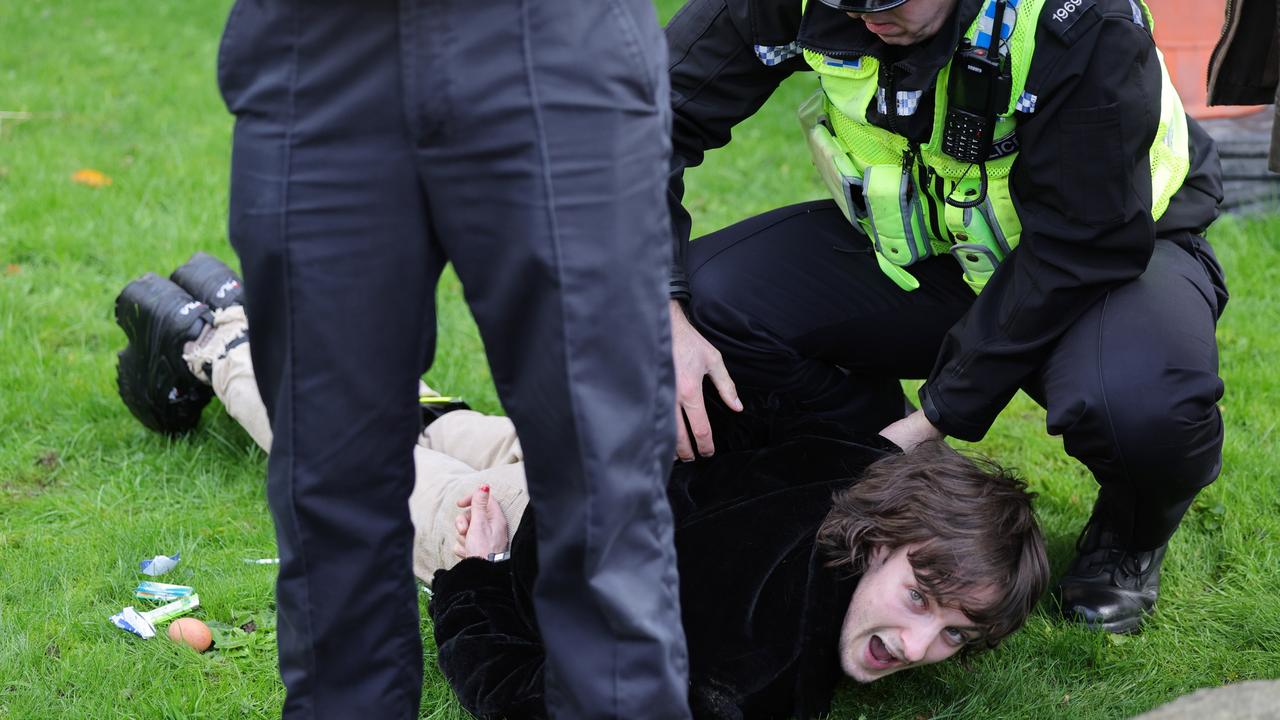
<point x="909" y="23"/>
<point x="892" y="624"/>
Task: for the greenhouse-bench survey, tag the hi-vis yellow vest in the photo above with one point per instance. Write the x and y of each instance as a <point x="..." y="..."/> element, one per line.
<point x="883" y="188"/>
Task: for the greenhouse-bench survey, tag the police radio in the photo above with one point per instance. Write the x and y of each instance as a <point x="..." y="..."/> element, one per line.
<point x="977" y="91"/>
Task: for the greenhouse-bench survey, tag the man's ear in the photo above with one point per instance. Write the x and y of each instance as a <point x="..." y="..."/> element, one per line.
<point x="877" y="557"/>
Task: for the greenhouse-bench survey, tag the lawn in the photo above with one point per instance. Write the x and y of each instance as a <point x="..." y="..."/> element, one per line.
<point x="127" y="89"/>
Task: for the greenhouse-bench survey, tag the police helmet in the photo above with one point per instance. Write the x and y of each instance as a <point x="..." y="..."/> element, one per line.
<point x="863" y="6"/>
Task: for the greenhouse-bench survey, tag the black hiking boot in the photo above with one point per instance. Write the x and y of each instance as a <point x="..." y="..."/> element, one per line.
<point x="154" y="381"/>
<point x="210" y="281"/>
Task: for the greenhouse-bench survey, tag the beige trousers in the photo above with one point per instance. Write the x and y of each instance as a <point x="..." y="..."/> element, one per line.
<point x="455" y="454"/>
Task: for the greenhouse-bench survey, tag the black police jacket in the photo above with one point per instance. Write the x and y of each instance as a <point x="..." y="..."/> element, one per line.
<point x="761" y="611"/>
<point x="1245" y="66"/>
<point x="1081" y="181"/>
<point x="1243" y="69"/>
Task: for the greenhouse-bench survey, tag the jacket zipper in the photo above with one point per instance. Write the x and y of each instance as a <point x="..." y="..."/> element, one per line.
<point x="1228" y="31"/>
<point x="890" y="99"/>
<point x="839" y="54"/>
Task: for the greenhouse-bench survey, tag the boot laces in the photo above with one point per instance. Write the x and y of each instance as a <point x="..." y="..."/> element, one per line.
<point x="1099" y="549"/>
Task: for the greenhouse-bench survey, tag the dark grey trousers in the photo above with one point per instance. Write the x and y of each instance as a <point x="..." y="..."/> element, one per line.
<point x="795" y="302"/>
<point x="527" y="142"/>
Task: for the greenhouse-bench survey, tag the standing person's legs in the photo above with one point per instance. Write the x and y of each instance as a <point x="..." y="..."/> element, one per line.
<point x="328" y="217"/>
<point x="796" y="304"/>
<point x="1133" y="388"/>
<point x="547" y="185"/>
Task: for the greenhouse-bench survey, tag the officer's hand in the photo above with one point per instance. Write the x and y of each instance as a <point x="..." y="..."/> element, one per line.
<point x="911" y="430"/>
<point x="695" y="358"/>
<point x="482" y="530"/>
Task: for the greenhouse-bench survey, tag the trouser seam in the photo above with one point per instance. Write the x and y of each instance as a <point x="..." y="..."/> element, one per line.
<point x="291" y="359"/>
<point x="409" y="678"/>
<point x="1106" y="410"/>
<point x="553" y="237"/>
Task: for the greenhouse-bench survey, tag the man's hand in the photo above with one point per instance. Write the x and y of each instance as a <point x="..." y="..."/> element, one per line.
<point x="910" y="431"/>
<point x="482" y="529"/>
<point x="695" y="358"/>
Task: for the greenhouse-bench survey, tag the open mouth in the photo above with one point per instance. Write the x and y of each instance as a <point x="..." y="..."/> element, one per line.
<point x="880" y="655"/>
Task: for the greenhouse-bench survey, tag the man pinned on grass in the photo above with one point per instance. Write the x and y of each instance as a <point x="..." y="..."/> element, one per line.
<point x="805" y="552"/>
<point x="799" y="560"/>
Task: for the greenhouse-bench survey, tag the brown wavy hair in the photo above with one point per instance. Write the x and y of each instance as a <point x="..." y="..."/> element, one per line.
<point x="971" y="520"/>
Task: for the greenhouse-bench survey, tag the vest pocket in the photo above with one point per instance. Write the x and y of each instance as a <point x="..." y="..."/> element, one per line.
<point x="838" y="173"/>
<point x="901" y="232"/>
<point x="977" y="261"/>
<point x="895" y="216"/>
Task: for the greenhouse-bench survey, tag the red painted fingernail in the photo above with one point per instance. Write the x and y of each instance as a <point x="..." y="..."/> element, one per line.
<point x="484" y="488"/>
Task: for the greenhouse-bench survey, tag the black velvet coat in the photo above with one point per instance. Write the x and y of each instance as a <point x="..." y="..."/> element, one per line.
<point x="761" y="612"/>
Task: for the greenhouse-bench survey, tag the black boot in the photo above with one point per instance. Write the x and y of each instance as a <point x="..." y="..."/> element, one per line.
<point x="1108" y="586"/>
<point x="210" y="281"/>
<point x="154" y="381"/>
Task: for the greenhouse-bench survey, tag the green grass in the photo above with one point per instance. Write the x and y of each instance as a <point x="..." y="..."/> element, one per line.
<point x="86" y="492"/>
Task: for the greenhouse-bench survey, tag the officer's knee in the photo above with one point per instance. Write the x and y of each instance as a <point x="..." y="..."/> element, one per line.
<point x="712" y="282"/>
<point x="717" y="303"/>
<point x="1151" y="428"/>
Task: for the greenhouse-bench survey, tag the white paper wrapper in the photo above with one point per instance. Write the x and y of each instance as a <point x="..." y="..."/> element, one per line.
<point x="159" y="564"/>
<point x="143" y="624"/>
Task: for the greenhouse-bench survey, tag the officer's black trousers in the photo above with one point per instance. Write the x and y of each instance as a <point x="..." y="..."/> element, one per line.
<point x="796" y="304"/>
<point x="526" y="142"/>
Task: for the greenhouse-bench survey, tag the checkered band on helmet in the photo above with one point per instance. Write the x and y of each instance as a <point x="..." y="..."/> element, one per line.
<point x="862" y="6"/>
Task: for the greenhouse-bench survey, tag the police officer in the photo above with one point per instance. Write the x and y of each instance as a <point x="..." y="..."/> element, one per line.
<point x="527" y="143"/>
<point x="1018" y="201"/>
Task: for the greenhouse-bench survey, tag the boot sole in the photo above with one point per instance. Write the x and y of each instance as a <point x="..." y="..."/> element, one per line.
<point x="210" y="281"/>
<point x="1127" y="626"/>
<point x="151" y="376"/>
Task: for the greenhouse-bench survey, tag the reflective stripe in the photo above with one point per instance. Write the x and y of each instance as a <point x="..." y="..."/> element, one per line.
<point x="989" y="214"/>
<point x="905" y="202"/>
<point x="1137" y="14"/>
